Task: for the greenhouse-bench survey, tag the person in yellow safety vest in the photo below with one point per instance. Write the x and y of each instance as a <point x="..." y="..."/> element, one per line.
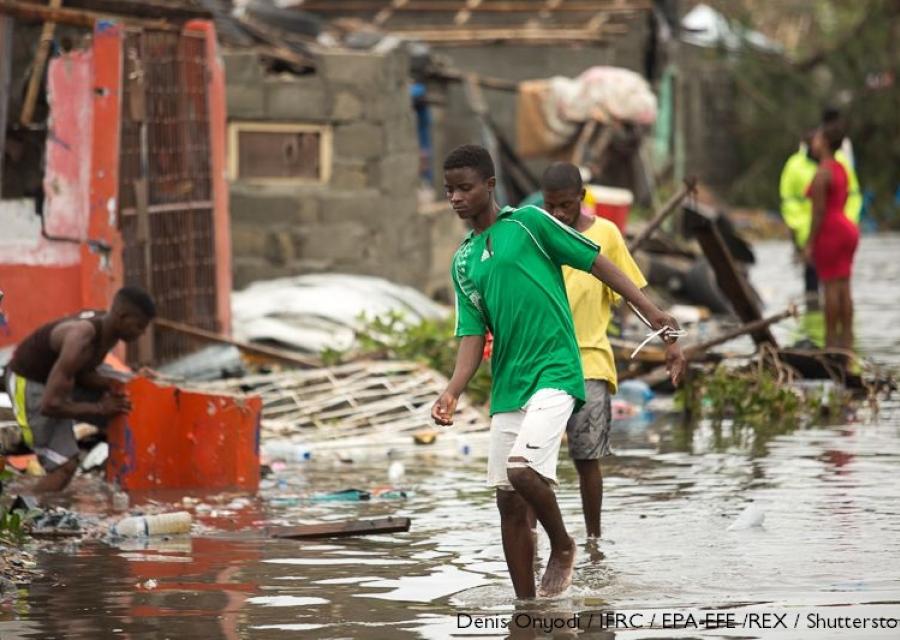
<point x="796" y="207"/>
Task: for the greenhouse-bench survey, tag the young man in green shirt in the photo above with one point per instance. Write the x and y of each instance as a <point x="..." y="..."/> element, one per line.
<point x="508" y="280"/>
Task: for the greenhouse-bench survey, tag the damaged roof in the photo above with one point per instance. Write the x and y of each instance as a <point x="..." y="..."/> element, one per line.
<point x="171" y="10"/>
<point x="460" y="22"/>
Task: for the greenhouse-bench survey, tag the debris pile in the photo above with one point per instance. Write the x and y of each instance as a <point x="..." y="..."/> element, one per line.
<point x="356" y="404"/>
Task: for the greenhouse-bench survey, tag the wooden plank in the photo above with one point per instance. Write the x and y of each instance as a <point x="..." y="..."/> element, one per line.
<point x="488" y="82"/>
<point x="29" y="12"/>
<point x="37" y="68"/>
<point x="149" y="9"/>
<point x="690" y="186"/>
<point x="442" y="6"/>
<point x="697" y="352"/>
<point x="6" y="38"/>
<point x="341" y="529"/>
<point x="449" y="35"/>
<point x="699" y="223"/>
<point x="584" y="139"/>
<point x="278" y="355"/>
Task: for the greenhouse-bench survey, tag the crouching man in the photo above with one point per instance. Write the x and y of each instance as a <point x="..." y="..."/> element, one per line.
<point x="53" y="380"/>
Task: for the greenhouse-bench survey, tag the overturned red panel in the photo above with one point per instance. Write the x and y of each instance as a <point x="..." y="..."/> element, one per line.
<point x="182" y="439"/>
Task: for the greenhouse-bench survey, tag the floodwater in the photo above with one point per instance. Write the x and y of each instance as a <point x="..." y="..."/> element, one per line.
<point x="829" y="546"/>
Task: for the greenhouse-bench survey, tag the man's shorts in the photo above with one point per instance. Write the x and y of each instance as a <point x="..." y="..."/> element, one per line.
<point x="52" y="439"/>
<point x="588" y="430"/>
<point x="533" y="433"/>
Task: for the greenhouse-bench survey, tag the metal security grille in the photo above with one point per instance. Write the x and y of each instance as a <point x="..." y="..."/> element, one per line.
<point x="165" y="187"/>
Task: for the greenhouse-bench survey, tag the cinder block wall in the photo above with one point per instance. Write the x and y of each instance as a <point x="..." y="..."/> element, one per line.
<point x="364" y="220"/>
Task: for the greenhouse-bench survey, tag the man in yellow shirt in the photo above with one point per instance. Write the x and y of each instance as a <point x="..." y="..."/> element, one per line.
<point x="591" y="302"/>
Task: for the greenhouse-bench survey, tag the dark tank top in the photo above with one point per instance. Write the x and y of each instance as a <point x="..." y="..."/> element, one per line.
<point x="35" y="356"/>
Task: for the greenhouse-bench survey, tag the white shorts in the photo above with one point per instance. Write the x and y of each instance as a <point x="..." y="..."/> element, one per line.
<point x="533" y="433"/>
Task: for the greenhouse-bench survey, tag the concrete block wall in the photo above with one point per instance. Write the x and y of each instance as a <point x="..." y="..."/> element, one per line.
<point x="364" y="220"/>
<point x="518" y="62"/>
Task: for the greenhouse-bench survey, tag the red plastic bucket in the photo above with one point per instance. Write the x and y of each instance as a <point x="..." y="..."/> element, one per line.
<point x="610" y="203"/>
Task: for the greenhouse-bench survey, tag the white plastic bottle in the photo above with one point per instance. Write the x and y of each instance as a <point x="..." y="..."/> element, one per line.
<point x="286" y="451"/>
<point x="161" y="524"/>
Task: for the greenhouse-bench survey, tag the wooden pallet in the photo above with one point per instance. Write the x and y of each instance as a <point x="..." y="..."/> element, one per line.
<point x="371" y="399"/>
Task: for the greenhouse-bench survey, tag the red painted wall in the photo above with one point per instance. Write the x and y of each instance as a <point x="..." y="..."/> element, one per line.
<point x="44" y="280"/>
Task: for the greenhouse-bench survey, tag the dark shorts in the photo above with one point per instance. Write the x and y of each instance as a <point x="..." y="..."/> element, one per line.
<point x="52" y="439"/>
<point x="588" y="430"/>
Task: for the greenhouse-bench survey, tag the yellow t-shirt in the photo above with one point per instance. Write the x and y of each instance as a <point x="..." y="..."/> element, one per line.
<point x="591" y="302"/>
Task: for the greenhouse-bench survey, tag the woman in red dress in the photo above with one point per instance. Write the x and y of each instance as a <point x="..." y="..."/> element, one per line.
<point x="833" y="238"/>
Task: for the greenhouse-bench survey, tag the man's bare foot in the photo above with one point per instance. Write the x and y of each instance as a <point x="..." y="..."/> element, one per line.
<point x="558" y="575"/>
<point x="592" y="546"/>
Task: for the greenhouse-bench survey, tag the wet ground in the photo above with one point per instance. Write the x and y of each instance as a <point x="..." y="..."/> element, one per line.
<point x="829" y="545"/>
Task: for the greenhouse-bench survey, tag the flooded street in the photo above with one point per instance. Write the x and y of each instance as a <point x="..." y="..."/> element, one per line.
<point x="830" y="542"/>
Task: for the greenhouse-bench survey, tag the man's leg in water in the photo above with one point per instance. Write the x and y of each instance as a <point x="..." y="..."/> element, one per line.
<point x="588" y="432"/>
<point x="590" y="481"/>
<point x="518" y="541"/>
<point x="537" y="493"/>
<point x="531" y="470"/>
<point x="58" y="479"/>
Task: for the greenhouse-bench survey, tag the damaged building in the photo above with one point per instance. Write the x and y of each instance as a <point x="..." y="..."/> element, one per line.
<point x="323" y="168"/>
<point x="113" y="165"/>
<point x="339" y="113"/>
<point x="233" y="142"/>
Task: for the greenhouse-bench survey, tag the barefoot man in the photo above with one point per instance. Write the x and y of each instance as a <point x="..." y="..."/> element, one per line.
<point x="508" y="280"/>
<point x="53" y="380"/>
<point x="591" y="302"/>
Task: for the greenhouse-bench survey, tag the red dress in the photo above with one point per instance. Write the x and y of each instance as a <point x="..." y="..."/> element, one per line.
<point x="836" y="242"/>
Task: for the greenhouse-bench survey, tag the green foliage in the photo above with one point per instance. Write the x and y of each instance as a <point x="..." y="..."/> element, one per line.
<point x="754" y="399"/>
<point x="12" y="526"/>
<point x="430" y="342"/>
<point x="749" y="407"/>
<point x="853" y="62"/>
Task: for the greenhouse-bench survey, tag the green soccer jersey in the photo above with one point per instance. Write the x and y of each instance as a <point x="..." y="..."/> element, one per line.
<point x="508" y="280"/>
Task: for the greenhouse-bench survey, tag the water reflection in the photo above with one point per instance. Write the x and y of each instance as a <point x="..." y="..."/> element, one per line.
<point x="831" y="537"/>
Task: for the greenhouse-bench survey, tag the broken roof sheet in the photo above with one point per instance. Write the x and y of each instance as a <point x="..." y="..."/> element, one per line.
<point x="475" y="21"/>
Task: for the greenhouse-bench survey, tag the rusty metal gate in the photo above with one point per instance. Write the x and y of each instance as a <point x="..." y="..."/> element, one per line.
<point x="165" y="186"/>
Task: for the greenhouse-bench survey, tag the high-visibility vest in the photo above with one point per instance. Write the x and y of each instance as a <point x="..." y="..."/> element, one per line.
<point x="796" y="207"/>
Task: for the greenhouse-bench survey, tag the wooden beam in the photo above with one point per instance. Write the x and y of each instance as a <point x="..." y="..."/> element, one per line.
<point x="6" y="38"/>
<point x="271" y="353"/>
<point x="487" y="82"/>
<point x="28" y="12"/>
<point x="147" y="9"/>
<point x="449" y="35"/>
<point x="514" y="6"/>
<point x="341" y="529"/>
<point x="37" y="68"/>
<point x="701" y="225"/>
<point x="276" y="46"/>
<point x="697" y="351"/>
<point x="690" y="186"/>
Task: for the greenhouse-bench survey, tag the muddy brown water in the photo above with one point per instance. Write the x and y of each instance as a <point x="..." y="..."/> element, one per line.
<point x="829" y="545"/>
